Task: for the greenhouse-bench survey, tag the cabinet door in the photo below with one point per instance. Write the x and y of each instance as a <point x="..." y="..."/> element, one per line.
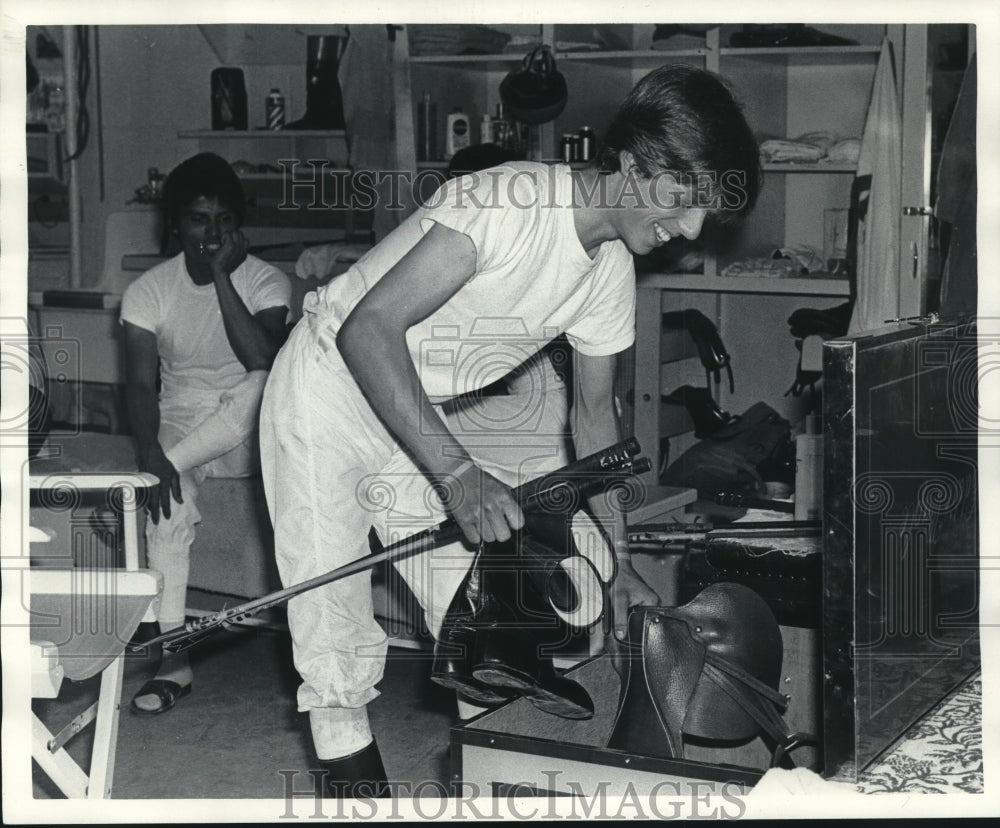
<point x="935" y="57"/>
<point x="914" y="224"/>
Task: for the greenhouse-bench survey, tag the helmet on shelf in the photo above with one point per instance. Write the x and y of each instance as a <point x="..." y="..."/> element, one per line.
<point x="535" y="93"/>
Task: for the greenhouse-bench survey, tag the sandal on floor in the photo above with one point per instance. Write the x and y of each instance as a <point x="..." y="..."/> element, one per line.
<point x="167" y="691"/>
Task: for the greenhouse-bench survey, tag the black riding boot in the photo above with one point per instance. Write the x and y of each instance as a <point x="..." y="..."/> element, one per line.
<point x="358" y="775"/>
<point x="473" y="609"/>
<point x="514" y="655"/>
<point x="324" y="98"/>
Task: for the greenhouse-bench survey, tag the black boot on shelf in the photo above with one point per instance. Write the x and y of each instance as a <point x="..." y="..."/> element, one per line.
<point x="359" y="775"/>
<point x="704" y="410"/>
<point x="324" y="99"/>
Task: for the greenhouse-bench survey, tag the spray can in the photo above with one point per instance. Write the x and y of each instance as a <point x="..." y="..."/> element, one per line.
<point x="274" y="110"/>
<point x="426" y="129"/>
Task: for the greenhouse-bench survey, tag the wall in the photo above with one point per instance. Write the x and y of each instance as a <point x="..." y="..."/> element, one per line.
<point x="148" y="83"/>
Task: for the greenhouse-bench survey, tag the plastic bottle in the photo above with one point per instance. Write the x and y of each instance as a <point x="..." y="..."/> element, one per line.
<point x="501" y="129"/>
<point x="458" y="133"/>
<point x="427" y="129"/>
<point x="809" y="471"/>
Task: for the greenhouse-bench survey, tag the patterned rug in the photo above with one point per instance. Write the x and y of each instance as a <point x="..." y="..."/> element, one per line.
<point x="942" y="753"/>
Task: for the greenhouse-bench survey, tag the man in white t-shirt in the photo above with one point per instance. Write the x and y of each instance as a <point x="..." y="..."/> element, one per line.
<point x="211" y="320"/>
<point x="356" y="423"/>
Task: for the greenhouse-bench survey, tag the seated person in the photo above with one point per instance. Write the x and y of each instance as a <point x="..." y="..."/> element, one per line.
<point x="212" y="319"/>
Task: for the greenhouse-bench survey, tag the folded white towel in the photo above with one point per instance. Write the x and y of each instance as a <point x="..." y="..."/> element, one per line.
<point x="781" y="150"/>
<point x="845" y="152"/>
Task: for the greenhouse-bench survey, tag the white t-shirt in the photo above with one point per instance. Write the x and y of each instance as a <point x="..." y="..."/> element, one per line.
<point x="533" y="280"/>
<point x="190" y="335"/>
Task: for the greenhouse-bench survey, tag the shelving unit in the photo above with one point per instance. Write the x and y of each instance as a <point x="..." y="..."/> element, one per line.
<point x="318" y="201"/>
<point x="814" y="54"/>
<point x="695" y="282"/>
<point x="45" y="156"/>
<point x="792" y="167"/>
<point x="255" y="134"/>
<point x="786" y="92"/>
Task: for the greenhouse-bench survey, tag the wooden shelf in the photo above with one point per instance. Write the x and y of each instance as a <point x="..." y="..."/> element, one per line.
<point x="634" y="57"/>
<point x="264" y="177"/>
<point x="803" y="286"/>
<point x="507" y="61"/>
<point x="241" y="134"/>
<point x="817" y="167"/>
<point x="502" y="61"/>
<point x="811" y="54"/>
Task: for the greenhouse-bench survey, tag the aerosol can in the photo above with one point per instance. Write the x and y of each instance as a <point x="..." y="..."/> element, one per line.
<point x="274" y="110"/>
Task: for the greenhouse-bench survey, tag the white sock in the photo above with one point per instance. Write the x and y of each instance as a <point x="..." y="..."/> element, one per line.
<point x="229" y="425"/>
<point x="175" y="569"/>
<point x="467" y="710"/>
<point x="339" y="731"/>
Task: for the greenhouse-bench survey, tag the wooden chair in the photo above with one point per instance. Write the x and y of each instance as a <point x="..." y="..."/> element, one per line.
<point x="81" y="620"/>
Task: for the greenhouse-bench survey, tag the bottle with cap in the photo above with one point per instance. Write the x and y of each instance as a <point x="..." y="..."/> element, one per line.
<point x="427" y="129"/>
<point x="588" y="144"/>
<point x="486" y="129"/>
<point x="566" y="148"/>
<point x="501" y="129"/>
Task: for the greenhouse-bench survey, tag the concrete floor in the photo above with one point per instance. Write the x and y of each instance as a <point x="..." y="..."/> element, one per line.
<point x="239" y="727"/>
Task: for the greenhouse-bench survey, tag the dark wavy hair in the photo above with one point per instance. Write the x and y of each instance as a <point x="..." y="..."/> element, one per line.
<point x="686" y="121"/>
<point x="205" y="175"/>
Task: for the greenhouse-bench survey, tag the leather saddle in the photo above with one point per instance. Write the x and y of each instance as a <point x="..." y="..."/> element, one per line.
<point x="710" y="670"/>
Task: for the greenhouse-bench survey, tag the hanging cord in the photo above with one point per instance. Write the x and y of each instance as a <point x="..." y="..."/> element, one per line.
<point x="82" y="125"/>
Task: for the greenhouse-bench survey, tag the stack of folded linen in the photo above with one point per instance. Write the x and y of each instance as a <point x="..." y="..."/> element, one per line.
<point x="456" y="40"/>
<point x="811" y="148"/>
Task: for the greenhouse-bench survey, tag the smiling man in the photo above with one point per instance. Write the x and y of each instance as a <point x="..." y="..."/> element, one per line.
<point x="502" y="260"/>
<point x="210" y="321"/>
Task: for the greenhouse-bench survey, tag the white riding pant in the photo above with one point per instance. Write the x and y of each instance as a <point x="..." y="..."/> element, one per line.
<point x="331" y="471"/>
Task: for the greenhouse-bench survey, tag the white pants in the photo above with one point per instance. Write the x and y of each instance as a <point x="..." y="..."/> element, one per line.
<point x="216" y="431"/>
<point x="331" y="471"/>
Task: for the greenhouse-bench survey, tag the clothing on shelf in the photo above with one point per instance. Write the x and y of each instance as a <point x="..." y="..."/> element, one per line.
<point x="811" y="148"/>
